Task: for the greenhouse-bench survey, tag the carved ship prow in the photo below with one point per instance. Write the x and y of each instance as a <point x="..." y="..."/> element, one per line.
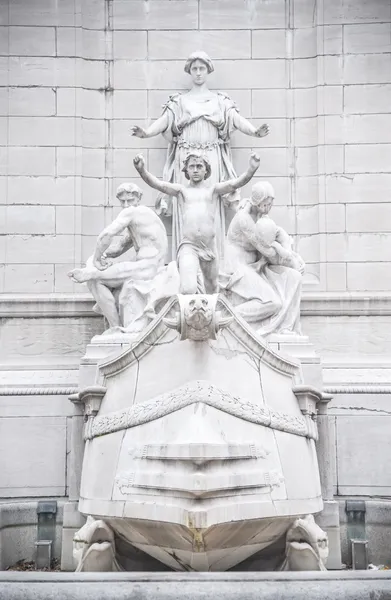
<point x="200" y="440"/>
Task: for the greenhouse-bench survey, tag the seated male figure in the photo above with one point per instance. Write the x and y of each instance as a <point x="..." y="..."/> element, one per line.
<point x="129" y="281"/>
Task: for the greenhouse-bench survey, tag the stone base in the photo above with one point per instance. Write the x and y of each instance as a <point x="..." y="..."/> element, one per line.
<point x="18" y="532"/>
<point x="72" y="522"/>
<point x="357" y="585"/>
<point x="328" y="520"/>
<point x="301" y="348"/>
<point x="101" y="347"/>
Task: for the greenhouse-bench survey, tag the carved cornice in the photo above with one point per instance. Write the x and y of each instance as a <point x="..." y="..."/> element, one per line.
<point x="351" y="304"/>
<point x="197" y="391"/>
<point x="370" y="388"/>
<point x="80" y="305"/>
<point x="46" y="305"/>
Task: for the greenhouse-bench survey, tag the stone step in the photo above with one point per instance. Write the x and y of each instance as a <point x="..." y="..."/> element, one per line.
<point x="352" y="585"/>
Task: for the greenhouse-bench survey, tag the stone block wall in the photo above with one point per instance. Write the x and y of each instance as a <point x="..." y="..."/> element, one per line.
<point x="76" y="75"/>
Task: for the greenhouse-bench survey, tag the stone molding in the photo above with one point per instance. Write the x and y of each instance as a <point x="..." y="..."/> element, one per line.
<point x="198" y="484"/>
<point x="38" y="391"/>
<point x="80" y="305"/>
<point x="196" y="391"/>
<point x="237" y="326"/>
<point x="46" y="305"/>
<point x="370" y="388"/>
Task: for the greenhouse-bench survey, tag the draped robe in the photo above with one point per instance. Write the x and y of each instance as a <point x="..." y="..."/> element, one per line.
<point x="204" y="125"/>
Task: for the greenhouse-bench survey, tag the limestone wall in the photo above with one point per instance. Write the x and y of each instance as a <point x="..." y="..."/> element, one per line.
<point x="76" y="74"/>
<point x="80" y="73"/>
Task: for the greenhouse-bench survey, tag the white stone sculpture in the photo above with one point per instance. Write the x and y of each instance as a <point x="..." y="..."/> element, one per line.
<point x="198" y="319"/>
<point x="197" y="250"/>
<point x="206" y="431"/>
<point x="126" y="292"/>
<point x="209" y="455"/>
<point x="94" y="547"/>
<point x="306" y="546"/>
<point x="203" y="120"/>
<point x="262" y="274"/>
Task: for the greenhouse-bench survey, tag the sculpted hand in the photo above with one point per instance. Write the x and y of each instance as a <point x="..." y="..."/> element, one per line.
<point x="254" y="161"/>
<point x="301" y="266"/>
<point x="262" y="131"/>
<point x="138" y="131"/>
<point x="103" y="262"/>
<point x="163" y="208"/>
<point x="139" y="162"/>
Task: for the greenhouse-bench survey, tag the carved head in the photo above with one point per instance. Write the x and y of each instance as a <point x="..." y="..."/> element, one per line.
<point x="196" y="167"/>
<point x="198" y="313"/>
<point x="129" y="194"/>
<point x="199" y="65"/>
<point x="262" y="197"/>
<point x="307" y="544"/>
<point x="267" y="230"/>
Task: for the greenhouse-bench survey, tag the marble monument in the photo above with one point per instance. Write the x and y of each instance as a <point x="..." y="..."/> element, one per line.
<point x="200" y="429"/>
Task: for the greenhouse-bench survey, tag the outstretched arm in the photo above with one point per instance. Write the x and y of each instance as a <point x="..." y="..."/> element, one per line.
<point x="158" y="126"/>
<point x="171" y="189"/>
<point x="106" y="237"/>
<point x="247" y="128"/>
<point x="227" y="187"/>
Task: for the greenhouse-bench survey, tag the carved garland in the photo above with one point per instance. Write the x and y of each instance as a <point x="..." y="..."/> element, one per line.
<point x="197" y="391"/>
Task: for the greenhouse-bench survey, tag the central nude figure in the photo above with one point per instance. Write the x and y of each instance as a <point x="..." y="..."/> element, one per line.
<point x="197" y="255"/>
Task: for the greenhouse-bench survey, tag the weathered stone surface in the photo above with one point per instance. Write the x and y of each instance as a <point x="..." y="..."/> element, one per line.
<point x="114" y="586"/>
<point x="43" y="474"/>
<point x="32" y="41"/>
<point x="367" y="158"/>
<point x="365" y="472"/>
<point x="367" y="98"/>
<point x="219" y="44"/>
<point x="164" y="14"/>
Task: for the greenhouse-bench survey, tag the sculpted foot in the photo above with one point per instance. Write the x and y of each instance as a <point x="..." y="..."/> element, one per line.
<point x="113" y="330"/>
<point x="80" y="275"/>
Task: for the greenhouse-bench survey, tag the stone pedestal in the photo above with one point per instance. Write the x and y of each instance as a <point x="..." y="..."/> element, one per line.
<point x="100" y="347"/>
<point x="196" y="405"/>
<point x="73" y="519"/>
<point x="301" y="348"/>
<point x="198" y="450"/>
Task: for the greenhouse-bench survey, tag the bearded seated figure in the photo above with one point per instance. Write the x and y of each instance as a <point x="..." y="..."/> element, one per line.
<point x="126" y="293"/>
<point x="262" y="274"/>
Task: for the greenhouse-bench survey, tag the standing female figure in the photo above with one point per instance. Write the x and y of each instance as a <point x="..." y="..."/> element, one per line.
<point x="198" y="120"/>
